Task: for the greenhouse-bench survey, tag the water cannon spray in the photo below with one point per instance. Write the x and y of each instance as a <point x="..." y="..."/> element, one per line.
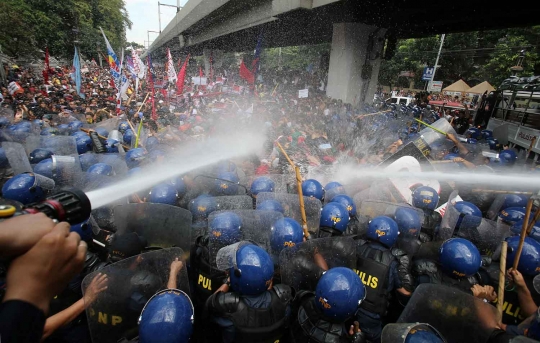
<point x="68" y="205"/>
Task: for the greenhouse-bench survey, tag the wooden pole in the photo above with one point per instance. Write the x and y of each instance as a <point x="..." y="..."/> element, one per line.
<point x="523" y="233"/>
<point x="502" y="280"/>
<point x="100" y="136"/>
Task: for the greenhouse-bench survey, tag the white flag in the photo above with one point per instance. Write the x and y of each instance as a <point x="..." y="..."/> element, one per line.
<point x="138" y="65"/>
<point x="171" y="73"/>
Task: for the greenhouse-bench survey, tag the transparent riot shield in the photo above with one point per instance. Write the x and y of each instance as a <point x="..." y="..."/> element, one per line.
<point x="458" y="316"/>
<point x="486" y="236"/>
<point x="234" y="202"/>
<point x="162" y="225"/>
<point x="91" y="182"/>
<point x="109" y="124"/>
<point x="114" y="313"/>
<point x="255" y="226"/>
<point x="114" y="160"/>
<point x="59" y="145"/>
<point x="374" y="208"/>
<point x="282" y="182"/>
<point x="66" y="170"/>
<point x="397" y="333"/>
<point x="300" y="268"/>
<point x="379" y="190"/>
<point x="495" y="207"/>
<point x="291" y="206"/>
<point x="450" y="217"/>
<point x="17" y="158"/>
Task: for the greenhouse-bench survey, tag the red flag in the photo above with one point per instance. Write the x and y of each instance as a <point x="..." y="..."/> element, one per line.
<point x="200" y="74"/>
<point x="46" y="71"/>
<point x="181" y="77"/>
<point x="246" y="74"/>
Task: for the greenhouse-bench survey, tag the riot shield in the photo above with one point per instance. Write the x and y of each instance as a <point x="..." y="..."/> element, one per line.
<point x="114" y="160"/>
<point x="282" y="182"/>
<point x="162" y="225"/>
<point x="291" y="206"/>
<point x="109" y="124"/>
<point x="59" y="145"/>
<point x="298" y="265"/>
<point x="458" y="316"/>
<point x="373" y="208"/>
<point x="234" y="202"/>
<point x="450" y="217"/>
<point x="495" y="207"/>
<point x="66" y="170"/>
<point x="17" y="158"/>
<point x="91" y="182"/>
<point x="255" y="226"/>
<point x="379" y="190"/>
<point x="131" y="283"/>
<point x="487" y="236"/>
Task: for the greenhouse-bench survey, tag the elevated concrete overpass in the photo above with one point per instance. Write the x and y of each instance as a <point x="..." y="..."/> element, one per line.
<point x="358" y="29"/>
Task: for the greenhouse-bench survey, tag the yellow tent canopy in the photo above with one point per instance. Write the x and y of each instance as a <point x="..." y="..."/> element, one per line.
<point x="458" y="86"/>
<point x="481" y="88"/>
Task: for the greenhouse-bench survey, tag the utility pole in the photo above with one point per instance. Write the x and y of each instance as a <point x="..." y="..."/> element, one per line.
<point x="438" y="55"/>
<point x="178" y="8"/>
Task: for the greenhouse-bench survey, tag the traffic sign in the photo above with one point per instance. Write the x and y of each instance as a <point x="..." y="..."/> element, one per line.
<point x="427" y="75"/>
<point x="434" y="86"/>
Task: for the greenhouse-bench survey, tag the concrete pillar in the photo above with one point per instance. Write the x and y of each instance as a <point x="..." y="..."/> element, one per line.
<point x="352" y="77"/>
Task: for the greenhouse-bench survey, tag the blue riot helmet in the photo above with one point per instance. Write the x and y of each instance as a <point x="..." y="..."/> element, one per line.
<point x="24" y="125"/>
<point x="202" y="206"/>
<point x="156" y="155"/>
<point x="384" y="230"/>
<point x="472" y="133"/>
<point x="450" y="157"/>
<point x="529" y="262"/>
<point x="286" y="233"/>
<point x="225" y="228"/>
<point x="64" y="129"/>
<point x="226" y="166"/>
<point x="84" y="229"/>
<point x="416" y="112"/>
<point x="408" y="222"/>
<point x="511" y="215"/>
<point x="49" y="131"/>
<point x="75" y="126"/>
<point x="37" y="123"/>
<point x="253" y="271"/>
<point x="78" y="134"/>
<point x="332" y="185"/>
<point x="425" y="197"/>
<point x="459" y="258"/>
<point x="470" y="215"/>
<point x="494" y="144"/>
<point x="123" y="126"/>
<point x="135" y="171"/>
<point x="332" y="189"/>
<point x="313" y="188"/>
<point x="486" y="134"/>
<point x="346" y="201"/>
<point x="135" y="157"/>
<point x="23" y="188"/>
<point x="270" y="205"/>
<point x="411" y="333"/>
<point x="334" y="215"/>
<point x="128" y="136"/>
<point x="4" y="122"/>
<point x="167" y="318"/>
<point x="87" y="160"/>
<point x="111" y="145"/>
<point x="163" y="193"/>
<point x="178" y="183"/>
<point x="514" y="200"/>
<point x="101" y="169"/>
<point x="102" y="131"/>
<point x="84" y="144"/>
<point x="339" y="293"/>
<point x="226" y="184"/>
<point x="472" y="141"/>
<point x="507" y="157"/>
<point x="45" y="168"/>
<point x="39" y="155"/>
<point x="535" y="232"/>
<point x="151" y="143"/>
<point x="262" y="184"/>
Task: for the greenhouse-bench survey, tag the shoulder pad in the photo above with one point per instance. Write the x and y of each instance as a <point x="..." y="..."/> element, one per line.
<point x="226" y="302"/>
<point x="300" y="295"/>
<point x="396" y="252"/>
<point x="423" y="267"/>
<point x="284" y="292"/>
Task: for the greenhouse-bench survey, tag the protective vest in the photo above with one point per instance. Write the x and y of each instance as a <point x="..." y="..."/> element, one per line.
<point x="257" y="325"/>
<point x="373" y="267"/>
<point x="207" y="278"/>
<point x="314" y="326"/>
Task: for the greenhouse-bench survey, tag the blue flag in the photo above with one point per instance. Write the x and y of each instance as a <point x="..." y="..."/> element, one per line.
<point x="77" y="76"/>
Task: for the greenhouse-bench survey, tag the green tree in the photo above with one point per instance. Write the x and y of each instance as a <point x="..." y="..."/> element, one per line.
<point x="134" y="45"/>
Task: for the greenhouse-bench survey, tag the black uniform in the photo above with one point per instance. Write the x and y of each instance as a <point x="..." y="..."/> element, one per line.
<point x="266" y="321"/>
<point x="312" y="326"/>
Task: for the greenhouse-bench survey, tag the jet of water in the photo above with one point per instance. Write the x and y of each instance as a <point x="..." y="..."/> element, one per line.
<point x="189" y="158"/>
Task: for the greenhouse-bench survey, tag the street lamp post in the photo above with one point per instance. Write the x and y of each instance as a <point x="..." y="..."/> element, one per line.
<point x="148" y="34"/>
<point x="178" y="8"/>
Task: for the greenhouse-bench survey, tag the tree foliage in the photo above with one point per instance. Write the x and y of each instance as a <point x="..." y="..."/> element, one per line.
<point x="32" y="25"/>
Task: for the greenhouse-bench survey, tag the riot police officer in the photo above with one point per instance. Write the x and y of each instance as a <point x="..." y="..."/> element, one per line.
<point x="326" y="315"/>
<point x="334" y="220"/>
<point x="248" y="308"/>
<point x="427" y="199"/>
<point x="382" y="269"/>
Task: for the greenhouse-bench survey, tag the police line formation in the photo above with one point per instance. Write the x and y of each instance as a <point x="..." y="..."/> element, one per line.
<point x="220" y="253"/>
